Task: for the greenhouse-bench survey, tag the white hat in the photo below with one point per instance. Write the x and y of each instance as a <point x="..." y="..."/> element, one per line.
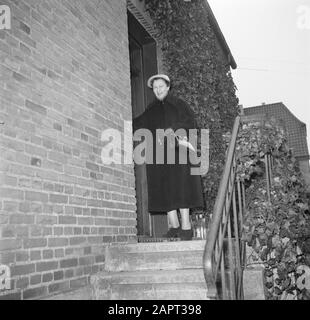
<point x="157" y="76"/>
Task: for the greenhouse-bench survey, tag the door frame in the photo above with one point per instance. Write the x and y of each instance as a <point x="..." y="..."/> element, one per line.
<point x="138" y="34"/>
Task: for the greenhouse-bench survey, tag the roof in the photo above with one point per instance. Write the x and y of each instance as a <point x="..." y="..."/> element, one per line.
<point x="296" y="129"/>
<point x="136" y="8"/>
<point x="220" y="36"/>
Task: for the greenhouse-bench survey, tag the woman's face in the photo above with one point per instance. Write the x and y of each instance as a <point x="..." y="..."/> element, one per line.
<point x="160" y="89"/>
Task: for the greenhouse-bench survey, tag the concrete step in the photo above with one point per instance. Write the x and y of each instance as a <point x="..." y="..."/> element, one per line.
<point x="186" y="284"/>
<point x="155" y="256"/>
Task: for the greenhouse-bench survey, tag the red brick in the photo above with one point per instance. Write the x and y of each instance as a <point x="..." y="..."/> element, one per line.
<point x="58" y="231"/>
<point x="95" y="239"/>
<point x="95" y="269"/>
<point x="68" y="231"/>
<point x="48" y="186"/>
<point x="47" y="277"/>
<point x="68" y="190"/>
<point x="77" y="240"/>
<point x="22" y="256"/>
<point x="24" y="207"/>
<point x="58" y="275"/>
<point x="69" y="273"/>
<point x="77" y="201"/>
<point x="25" y="49"/>
<point x="7" y="257"/>
<point x="67" y="220"/>
<point x="22" y="231"/>
<point x="36" y="196"/>
<point x="57" y="242"/>
<point x="24" y="269"/>
<point x="78" y="283"/>
<point x="21" y="219"/>
<point x="10" y="193"/>
<point x="58" y="157"/>
<point x="69" y="211"/>
<point x="92" y="132"/>
<point x="94" y="203"/>
<point x="35" y="243"/>
<point x="46" y="219"/>
<point x="7" y="231"/>
<point x="85" y="221"/>
<point x="10" y="244"/>
<point x="8" y="180"/>
<point x="5" y="48"/>
<point x="100" y="259"/>
<point x="87" y="250"/>
<point x="35" y="107"/>
<point x="22" y="283"/>
<point x="35" y="293"/>
<point x="35" y="279"/>
<point x="92" y="166"/>
<point x="59" y="286"/>
<point x="78" y="211"/>
<point x="79" y="272"/>
<point x="68" y="263"/>
<point x="47" y="231"/>
<point x="101" y="221"/>
<point x="35" y="151"/>
<point x="47" y="143"/>
<point x="58" y="209"/>
<point x="77" y="231"/>
<point x="55" y="198"/>
<point x="35" y="255"/>
<point x="86" y="260"/>
<point x="59" y="253"/>
<point x="48" y="254"/>
<point x="46" y="266"/>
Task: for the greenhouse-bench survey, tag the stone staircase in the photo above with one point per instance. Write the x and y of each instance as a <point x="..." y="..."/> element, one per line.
<point x="152" y="271"/>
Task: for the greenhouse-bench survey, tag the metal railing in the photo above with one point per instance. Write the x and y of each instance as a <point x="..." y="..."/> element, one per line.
<point x="224" y="253"/>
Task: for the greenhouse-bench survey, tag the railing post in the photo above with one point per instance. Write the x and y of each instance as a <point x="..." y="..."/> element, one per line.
<point x="214" y="261"/>
<point x="268" y="179"/>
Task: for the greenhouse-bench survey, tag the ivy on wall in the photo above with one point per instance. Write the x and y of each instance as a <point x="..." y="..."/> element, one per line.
<point x="276" y="228"/>
<point x="200" y="76"/>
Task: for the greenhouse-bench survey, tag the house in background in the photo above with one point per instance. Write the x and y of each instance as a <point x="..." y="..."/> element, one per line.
<point x="296" y="131"/>
<point x="68" y="71"/>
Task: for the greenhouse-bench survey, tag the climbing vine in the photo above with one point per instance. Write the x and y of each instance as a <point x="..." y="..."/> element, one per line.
<point x="200" y="75"/>
<point x="277" y="228"/>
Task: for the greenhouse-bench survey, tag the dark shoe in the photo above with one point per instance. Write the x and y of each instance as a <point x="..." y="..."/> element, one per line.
<point x="172" y="233"/>
<point x="186" y="234"/>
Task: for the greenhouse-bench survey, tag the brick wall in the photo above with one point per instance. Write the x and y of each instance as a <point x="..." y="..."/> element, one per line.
<point x="64" y="78"/>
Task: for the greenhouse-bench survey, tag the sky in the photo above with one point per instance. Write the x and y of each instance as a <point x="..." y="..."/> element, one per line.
<point x="270" y="41"/>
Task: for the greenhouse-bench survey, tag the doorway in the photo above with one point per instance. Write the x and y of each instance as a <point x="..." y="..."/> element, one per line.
<point x="143" y="64"/>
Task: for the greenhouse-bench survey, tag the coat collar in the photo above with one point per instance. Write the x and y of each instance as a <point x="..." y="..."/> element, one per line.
<point x="169" y="98"/>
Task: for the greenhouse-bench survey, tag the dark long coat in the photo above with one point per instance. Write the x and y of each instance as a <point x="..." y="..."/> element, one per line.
<point x="170" y="186"/>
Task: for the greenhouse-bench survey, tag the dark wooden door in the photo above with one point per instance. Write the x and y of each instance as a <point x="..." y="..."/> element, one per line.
<point x="143" y="64"/>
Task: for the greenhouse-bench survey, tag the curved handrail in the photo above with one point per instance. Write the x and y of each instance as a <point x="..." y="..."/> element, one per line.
<point x="211" y="267"/>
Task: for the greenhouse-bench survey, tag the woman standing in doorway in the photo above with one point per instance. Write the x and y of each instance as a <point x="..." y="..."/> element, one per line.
<point x="171" y="187"/>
